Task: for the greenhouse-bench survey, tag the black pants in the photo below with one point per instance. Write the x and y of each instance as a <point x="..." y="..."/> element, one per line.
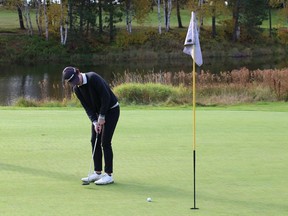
<point x="105" y="141"/>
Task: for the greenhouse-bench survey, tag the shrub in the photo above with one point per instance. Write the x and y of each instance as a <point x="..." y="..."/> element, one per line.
<point x="24" y="102"/>
<point x="137" y="93"/>
<point x="283" y="36"/>
<point x="124" y="39"/>
<point x="72" y="101"/>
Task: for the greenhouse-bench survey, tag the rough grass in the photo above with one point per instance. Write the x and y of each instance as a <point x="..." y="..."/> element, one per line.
<point x="9" y="19"/>
<point x="149" y="93"/>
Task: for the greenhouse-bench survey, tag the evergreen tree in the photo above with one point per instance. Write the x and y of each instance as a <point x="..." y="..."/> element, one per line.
<point x="247" y="17"/>
<point x="252" y="16"/>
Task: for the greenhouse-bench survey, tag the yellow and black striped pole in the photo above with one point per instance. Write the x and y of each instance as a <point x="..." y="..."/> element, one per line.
<point x="192" y="48"/>
<point x="194" y="129"/>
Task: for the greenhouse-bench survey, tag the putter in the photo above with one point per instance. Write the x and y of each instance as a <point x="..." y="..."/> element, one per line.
<point x="92" y="158"/>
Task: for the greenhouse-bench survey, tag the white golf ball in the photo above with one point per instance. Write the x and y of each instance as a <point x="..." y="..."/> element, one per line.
<point x="149" y="199"/>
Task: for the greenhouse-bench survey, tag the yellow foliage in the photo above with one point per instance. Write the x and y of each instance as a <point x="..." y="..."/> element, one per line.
<point x="283" y="35"/>
<point x="54" y="17"/>
<point x="124" y="39"/>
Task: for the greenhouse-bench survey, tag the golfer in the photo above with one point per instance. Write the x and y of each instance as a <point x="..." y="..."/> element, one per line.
<point x="102" y="108"/>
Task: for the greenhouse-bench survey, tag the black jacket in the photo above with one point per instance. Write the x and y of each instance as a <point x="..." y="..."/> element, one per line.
<point x="95" y="96"/>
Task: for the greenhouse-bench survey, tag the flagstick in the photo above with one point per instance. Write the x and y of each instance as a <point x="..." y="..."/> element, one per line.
<point x="194" y="131"/>
<point x="192" y="47"/>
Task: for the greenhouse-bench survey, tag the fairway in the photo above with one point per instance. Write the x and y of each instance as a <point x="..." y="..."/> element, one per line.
<point x="242" y="158"/>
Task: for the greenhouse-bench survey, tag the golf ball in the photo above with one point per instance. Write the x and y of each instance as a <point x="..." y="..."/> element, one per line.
<point x="149" y="199"/>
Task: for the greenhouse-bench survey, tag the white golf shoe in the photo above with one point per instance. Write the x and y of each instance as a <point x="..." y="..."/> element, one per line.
<point x="92" y="177"/>
<point x="106" y="179"/>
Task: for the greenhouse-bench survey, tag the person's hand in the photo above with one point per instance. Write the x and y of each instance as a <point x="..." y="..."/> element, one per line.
<point x="100" y="124"/>
<point x="97" y="127"/>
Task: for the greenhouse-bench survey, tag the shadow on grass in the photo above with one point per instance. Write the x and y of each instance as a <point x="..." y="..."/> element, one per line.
<point x="37" y="172"/>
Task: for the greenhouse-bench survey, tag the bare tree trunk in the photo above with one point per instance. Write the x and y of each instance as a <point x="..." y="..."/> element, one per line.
<point x="165" y="13"/>
<point x="213" y="22"/>
<point x="178" y="14"/>
<point x="200" y="3"/>
<point x="28" y="18"/>
<point x="167" y="5"/>
<point x="111" y="17"/>
<point x="236" y="22"/>
<point x="46" y="20"/>
<point x="100" y="16"/>
<point x="128" y="17"/>
<point x="66" y="31"/>
<point x="270" y="21"/>
<point x="20" y="15"/>
<point x="159" y="16"/>
<point x="169" y="14"/>
<point x="38" y="14"/>
<point x="61" y="22"/>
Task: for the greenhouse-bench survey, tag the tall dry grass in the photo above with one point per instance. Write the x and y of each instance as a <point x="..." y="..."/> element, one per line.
<point x="225" y="88"/>
<point x="230" y="87"/>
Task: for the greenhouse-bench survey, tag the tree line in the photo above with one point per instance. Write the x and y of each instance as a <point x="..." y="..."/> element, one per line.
<point x="85" y="19"/>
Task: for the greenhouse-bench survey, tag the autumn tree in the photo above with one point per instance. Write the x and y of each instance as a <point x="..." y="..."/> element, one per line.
<point x="141" y="9"/>
<point x="136" y="10"/>
<point x="215" y="9"/>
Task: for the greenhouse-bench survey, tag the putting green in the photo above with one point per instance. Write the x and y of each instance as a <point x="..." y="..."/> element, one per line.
<point x="242" y="158"/>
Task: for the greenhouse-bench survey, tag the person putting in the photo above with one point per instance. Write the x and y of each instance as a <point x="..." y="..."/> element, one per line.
<point x="102" y="108"/>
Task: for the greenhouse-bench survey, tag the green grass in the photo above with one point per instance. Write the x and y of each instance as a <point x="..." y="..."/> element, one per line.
<point x="278" y="20"/>
<point x="10" y="21"/>
<point x="241" y="162"/>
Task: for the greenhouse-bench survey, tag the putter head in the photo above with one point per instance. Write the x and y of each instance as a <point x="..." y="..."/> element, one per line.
<point x="85" y="183"/>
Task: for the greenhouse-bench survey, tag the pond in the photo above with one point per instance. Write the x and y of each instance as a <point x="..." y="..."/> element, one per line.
<point x="44" y="81"/>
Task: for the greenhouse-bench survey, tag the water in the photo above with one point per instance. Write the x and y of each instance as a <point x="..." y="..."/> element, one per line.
<point x="45" y="81"/>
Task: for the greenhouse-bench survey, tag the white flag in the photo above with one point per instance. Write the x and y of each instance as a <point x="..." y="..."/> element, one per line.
<point x="192" y="44"/>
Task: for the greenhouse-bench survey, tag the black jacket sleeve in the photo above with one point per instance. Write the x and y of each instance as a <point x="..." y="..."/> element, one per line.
<point x="90" y="113"/>
<point x="102" y="89"/>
